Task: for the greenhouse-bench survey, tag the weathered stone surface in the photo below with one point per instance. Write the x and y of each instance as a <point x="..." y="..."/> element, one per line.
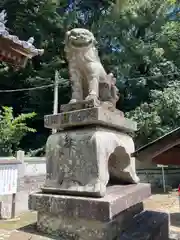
<point x="79" y="229"/>
<point x="148" y="225"/>
<point x="77" y="106"/>
<point x="118" y="198"/>
<point x="89" y="116"/>
<point x="89" y="104"/>
<point x="80" y="162"/>
<point x="88" y="218"/>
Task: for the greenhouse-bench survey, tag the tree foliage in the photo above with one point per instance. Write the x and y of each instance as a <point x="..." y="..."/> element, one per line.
<point x="12" y="130"/>
<point x="41" y="20"/>
<point x="158" y="117"/>
<point x="146" y="60"/>
<point x="137" y="40"/>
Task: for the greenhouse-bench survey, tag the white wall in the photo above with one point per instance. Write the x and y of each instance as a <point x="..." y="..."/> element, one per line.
<point x="34" y="166"/>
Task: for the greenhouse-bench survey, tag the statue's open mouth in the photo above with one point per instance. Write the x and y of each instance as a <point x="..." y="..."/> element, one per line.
<point x="78" y="42"/>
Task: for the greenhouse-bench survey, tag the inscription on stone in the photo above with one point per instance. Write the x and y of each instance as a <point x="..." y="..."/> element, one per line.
<point x="78" y="116"/>
<point x="52" y="120"/>
<point x="64" y="118"/>
<point x="97" y="115"/>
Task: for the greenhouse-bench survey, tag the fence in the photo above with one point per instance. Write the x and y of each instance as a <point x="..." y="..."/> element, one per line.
<point x="154" y="176"/>
<point x="30" y="176"/>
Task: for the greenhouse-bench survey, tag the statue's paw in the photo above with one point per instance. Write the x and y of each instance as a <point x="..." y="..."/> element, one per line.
<point x="73" y="101"/>
<point x="93" y="98"/>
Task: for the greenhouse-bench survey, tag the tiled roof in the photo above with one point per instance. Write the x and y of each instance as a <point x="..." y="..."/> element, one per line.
<point x="27" y="45"/>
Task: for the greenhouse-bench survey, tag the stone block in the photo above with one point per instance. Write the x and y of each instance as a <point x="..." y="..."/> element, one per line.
<point x="89" y="104"/>
<point x="84" y="104"/>
<point x="69" y="228"/>
<point x="79" y="218"/>
<point x="91" y="116"/>
<point x="117" y="199"/>
<point x="148" y="225"/>
<point x="81" y="161"/>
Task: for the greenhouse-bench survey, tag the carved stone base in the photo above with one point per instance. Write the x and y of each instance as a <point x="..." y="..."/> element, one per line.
<point x="91" y="148"/>
<point x="79" y="161"/>
<point x="78" y="218"/>
<point x="91" y="116"/>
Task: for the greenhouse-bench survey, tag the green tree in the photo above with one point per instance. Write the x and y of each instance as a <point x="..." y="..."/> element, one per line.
<point x="138" y="42"/>
<point x="12" y="130"/>
<point x="158" y="117"/>
<point x="145" y="45"/>
<point x="138" y="57"/>
<point x="42" y="21"/>
<point x="170" y="40"/>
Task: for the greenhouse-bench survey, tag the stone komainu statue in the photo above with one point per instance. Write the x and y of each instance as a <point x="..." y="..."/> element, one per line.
<point x="88" y="78"/>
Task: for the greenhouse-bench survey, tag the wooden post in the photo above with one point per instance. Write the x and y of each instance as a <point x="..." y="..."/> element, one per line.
<point x="55" y="107"/>
<point x="19" y="157"/>
<point x="163" y="179"/>
<point x="163" y="176"/>
<point x="21" y="168"/>
<point x="13" y="206"/>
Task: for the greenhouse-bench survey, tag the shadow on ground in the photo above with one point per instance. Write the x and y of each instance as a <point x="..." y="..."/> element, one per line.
<point x="175" y="219"/>
<point x="31" y="229"/>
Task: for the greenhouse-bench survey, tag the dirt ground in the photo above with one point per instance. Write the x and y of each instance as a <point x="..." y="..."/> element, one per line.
<point x="170" y="203"/>
<point x="16" y="229"/>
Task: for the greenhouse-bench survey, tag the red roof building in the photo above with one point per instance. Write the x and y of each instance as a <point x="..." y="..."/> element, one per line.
<point x="165" y="150"/>
<point x="13" y="50"/>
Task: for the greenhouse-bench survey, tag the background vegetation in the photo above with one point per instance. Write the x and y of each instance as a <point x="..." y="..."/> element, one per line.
<point x="139" y="42"/>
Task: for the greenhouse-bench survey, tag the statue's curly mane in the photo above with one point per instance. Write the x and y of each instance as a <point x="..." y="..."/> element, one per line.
<point x="89" y="53"/>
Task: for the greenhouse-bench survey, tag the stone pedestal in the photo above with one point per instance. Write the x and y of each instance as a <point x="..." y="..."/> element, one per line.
<point x="90" y="153"/>
<point x="79" y="218"/>
<point x="80" y="161"/>
<point x="92" y="148"/>
<point x="95" y="116"/>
